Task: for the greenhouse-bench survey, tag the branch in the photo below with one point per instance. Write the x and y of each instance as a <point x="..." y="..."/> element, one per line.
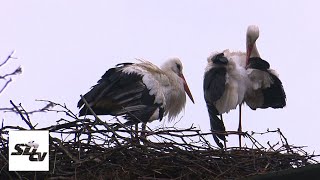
<point x="15" y="72"/>
<point x="8" y="58"/>
<point x="5" y="85"/>
<point x="21" y="115"/>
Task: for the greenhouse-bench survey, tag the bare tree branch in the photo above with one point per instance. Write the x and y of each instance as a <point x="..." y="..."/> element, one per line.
<point x="5" y="85"/>
<point x="15" y="72"/>
<point x="8" y="58"/>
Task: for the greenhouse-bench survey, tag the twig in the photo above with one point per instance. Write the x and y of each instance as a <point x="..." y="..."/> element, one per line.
<point x="98" y="119"/>
<point x="21" y="115"/>
<point x="8" y="58"/>
<point x="15" y="72"/>
<point x="5" y="85"/>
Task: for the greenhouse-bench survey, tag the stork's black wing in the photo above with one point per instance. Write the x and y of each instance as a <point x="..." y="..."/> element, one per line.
<point x="273" y="96"/>
<point x="258" y="63"/>
<point x="121" y="94"/>
<point x="214" y="87"/>
<point x="214" y="84"/>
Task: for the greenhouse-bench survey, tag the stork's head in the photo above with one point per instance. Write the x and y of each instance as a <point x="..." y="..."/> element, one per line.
<point x="175" y="65"/>
<point x="252" y="36"/>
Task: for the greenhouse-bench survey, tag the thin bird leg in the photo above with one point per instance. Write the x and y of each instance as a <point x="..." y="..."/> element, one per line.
<point x="240" y="126"/>
<point x="143" y="129"/>
<point x="225" y="141"/>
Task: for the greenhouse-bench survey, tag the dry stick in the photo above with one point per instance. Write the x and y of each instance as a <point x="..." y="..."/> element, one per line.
<point x="190" y="154"/>
<point x="5" y="85"/>
<point x="26" y="113"/>
<point x="124" y="126"/>
<point x="136" y="133"/>
<point x="15" y="72"/>
<point x="54" y="162"/>
<point x="8" y="58"/>
<point x="272" y="146"/>
<point x="64" y="126"/>
<point x="97" y="119"/>
<point x="286" y="141"/>
<point x="7" y="109"/>
<point x="65" y="150"/>
<point x="192" y="135"/>
<point x="51" y="104"/>
<point x="21" y="115"/>
<point x="255" y="142"/>
<point x="206" y="142"/>
<point x="2" y="124"/>
<point x="266" y="132"/>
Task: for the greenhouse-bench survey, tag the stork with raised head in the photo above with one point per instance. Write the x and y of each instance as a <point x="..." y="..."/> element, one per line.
<point x="224" y="86"/>
<point x="234" y="77"/>
<point x="266" y="88"/>
<point x="140" y="92"/>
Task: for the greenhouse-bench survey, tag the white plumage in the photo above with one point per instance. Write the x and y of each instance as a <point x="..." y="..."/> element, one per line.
<point x="140" y="92"/>
<point x="236" y="81"/>
<point x="232" y="78"/>
<point x="225" y="85"/>
<point x="265" y="88"/>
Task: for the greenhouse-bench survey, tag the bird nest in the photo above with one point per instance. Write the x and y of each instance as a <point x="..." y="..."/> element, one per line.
<point x="83" y="148"/>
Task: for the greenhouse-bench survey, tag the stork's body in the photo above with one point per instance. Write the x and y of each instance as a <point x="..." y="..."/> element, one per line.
<point x="266" y="88"/>
<point x="232" y="78"/>
<point x="225" y="84"/>
<point x="140" y="92"/>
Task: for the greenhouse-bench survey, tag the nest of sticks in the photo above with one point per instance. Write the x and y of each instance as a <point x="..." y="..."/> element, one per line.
<point x="83" y="148"/>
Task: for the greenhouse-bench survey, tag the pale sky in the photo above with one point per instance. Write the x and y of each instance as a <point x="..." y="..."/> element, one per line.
<point x="64" y="47"/>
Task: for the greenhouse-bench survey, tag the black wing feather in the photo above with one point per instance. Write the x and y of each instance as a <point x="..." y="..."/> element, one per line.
<point x="274" y="96"/>
<point x="214" y="87"/>
<point x="258" y="63"/>
<point x="214" y="84"/>
<point x="121" y="94"/>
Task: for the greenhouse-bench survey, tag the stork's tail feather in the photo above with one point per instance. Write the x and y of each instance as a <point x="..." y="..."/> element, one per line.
<point x="216" y="124"/>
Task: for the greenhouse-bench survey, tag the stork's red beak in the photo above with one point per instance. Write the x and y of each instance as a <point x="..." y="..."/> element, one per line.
<point x="186" y="88"/>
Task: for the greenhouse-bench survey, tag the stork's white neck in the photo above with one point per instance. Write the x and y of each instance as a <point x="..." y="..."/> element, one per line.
<point x="254" y="52"/>
<point x="252" y="36"/>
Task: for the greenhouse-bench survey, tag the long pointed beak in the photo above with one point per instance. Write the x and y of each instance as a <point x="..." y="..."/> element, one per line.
<point x="186" y="88"/>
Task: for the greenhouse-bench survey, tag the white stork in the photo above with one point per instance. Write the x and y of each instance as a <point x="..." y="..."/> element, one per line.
<point x="140" y="92"/>
<point x="225" y="84"/>
<point x="232" y="78"/>
<point x="266" y="89"/>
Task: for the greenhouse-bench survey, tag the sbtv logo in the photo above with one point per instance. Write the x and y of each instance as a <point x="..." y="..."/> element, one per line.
<point x="29" y="150"/>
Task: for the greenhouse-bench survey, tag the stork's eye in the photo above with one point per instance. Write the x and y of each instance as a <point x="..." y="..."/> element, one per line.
<point x="179" y="67"/>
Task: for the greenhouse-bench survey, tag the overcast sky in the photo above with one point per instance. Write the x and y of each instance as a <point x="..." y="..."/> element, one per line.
<point x="64" y="47"/>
